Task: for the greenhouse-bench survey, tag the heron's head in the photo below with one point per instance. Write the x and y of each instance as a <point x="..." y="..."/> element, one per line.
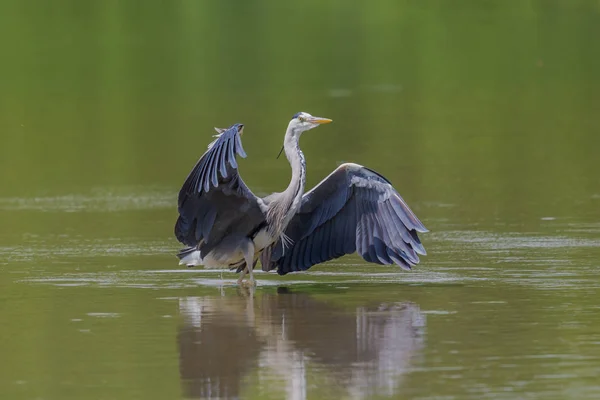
<point x="304" y="121"/>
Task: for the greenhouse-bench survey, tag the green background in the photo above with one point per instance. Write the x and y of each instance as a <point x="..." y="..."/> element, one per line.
<point x="484" y="115"/>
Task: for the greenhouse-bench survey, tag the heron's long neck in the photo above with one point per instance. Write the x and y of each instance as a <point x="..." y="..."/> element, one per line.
<point x="295" y="189"/>
<point x="287" y="204"/>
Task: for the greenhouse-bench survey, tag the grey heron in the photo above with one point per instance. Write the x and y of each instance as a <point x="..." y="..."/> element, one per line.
<point x="353" y="209"/>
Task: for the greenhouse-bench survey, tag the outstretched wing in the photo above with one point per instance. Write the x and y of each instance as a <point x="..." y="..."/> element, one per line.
<point x="353" y="209"/>
<point x="214" y="200"/>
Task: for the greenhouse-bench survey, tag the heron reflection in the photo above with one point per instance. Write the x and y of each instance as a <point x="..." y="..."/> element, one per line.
<point x="280" y="343"/>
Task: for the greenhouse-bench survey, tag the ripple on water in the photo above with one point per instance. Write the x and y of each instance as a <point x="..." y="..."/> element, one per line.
<point x="503" y="241"/>
<point x="103" y="315"/>
<point x="68" y="249"/>
<point x="182" y="278"/>
<point x="98" y="200"/>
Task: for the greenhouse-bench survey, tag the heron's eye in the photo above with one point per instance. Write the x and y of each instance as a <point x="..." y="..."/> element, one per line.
<point x="301" y="119"/>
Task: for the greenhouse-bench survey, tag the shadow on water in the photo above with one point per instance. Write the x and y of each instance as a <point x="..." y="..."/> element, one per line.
<point x="291" y="336"/>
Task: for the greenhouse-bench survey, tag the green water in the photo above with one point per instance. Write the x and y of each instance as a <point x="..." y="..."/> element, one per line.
<point x="484" y="115"/>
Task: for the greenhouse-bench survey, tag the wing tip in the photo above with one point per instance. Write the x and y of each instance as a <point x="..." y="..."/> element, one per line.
<point x="212" y="165"/>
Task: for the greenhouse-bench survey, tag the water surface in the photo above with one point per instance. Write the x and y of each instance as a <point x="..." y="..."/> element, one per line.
<point x="482" y="113"/>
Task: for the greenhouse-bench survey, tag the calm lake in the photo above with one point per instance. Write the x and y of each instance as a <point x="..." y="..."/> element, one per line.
<point x="483" y="114"/>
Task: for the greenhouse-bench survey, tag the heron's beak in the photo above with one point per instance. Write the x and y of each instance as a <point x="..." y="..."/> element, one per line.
<point x="319" y="120"/>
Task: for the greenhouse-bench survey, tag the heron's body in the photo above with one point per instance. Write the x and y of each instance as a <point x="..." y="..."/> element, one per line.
<point x="354" y="208"/>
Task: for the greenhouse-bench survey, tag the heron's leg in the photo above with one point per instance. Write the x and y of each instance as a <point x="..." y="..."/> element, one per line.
<point x="249" y="257"/>
<point x="242" y="275"/>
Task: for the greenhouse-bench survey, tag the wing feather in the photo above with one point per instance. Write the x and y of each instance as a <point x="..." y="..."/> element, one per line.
<point x="409" y="219"/>
<point x="327" y="245"/>
<point x="223" y="159"/>
<point x="307" y="249"/>
<point x="239" y="148"/>
<point x="212" y="176"/>
<point x="214" y="201"/>
<point x="353" y="209"/>
<point x="231" y="154"/>
<point x="339" y="227"/>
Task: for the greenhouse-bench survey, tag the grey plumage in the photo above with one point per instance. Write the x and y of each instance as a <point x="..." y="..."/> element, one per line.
<point x="208" y="196"/>
<point x="353" y="209"/>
